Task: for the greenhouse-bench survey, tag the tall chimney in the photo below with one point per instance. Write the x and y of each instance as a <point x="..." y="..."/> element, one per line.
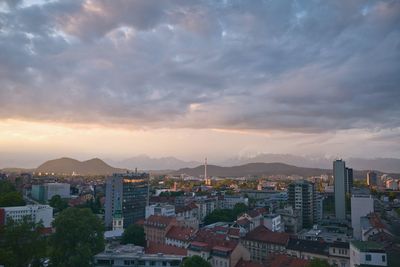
<point x="205" y="169"/>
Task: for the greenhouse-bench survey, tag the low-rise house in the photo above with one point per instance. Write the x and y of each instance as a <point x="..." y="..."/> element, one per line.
<point x="188" y="215"/>
<point x="367" y="253"/>
<point x="371" y="226"/>
<point x="179" y="236"/>
<point x="336" y="254"/>
<point x="217" y="248"/>
<point x="262" y="242"/>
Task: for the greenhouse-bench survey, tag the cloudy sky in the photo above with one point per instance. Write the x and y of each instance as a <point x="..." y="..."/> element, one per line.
<point x="117" y="78"/>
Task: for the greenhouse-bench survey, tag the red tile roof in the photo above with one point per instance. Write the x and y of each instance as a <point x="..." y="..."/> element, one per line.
<point x="154" y="248"/>
<point x="281" y="260"/>
<point x="264" y="235"/>
<point x="243" y="263"/>
<point x="208" y="239"/>
<point x="180" y="233"/>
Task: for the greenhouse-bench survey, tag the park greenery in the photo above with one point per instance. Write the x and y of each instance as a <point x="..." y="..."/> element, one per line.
<point x="22" y="244"/>
<point x="9" y="196"/>
<point x="58" y="204"/>
<point x="318" y="263"/>
<point x="195" y="261"/>
<point x="79" y="236"/>
<point x="225" y="215"/>
<point x="134" y="234"/>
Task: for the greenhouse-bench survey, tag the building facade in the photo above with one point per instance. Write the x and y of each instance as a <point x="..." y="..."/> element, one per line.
<point x="129" y="255"/>
<point x="133" y="189"/>
<point x="160" y="209"/>
<point x="262" y="242"/>
<point x="302" y="197"/>
<point x="36" y="213"/>
<point x="361" y="205"/>
<point x="339" y="175"/>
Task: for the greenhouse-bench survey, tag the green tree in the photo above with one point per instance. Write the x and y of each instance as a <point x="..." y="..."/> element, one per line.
<point x="134" y="234"/>
<point x="6" y="187"/>
<point x="79" y="236"/>
<point x="239" y="208"/>
<point x="21" y="244"/>
<point x="9" y="197"/>
<point x="58" y="203"/>
<point x="318" y="263"/>
<point x="195" y="261"/>
<point x="219" y="215"/>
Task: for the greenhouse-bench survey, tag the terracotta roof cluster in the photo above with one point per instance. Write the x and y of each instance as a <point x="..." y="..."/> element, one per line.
<point x="264" y="235"/>
<point x="278" y="260"/>
<point x="158" y="221"/>
<point x="154" y="248"/>
<point x="243" y="263"/>
<point x="281" y="260"/>
<point x="180" y="233"/>
<point x="210" y="240"/>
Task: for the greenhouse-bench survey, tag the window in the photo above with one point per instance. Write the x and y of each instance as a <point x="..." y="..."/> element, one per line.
<point x="368" y="257"/>
<point x="383" y="258"/>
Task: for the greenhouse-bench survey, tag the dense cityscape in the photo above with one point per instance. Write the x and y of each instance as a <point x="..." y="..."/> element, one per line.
<point x="199" y="133"/>
<point x="136" y="218"/>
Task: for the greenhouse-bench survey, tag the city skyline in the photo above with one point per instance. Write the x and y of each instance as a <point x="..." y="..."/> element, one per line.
<point x="114" y="79"/>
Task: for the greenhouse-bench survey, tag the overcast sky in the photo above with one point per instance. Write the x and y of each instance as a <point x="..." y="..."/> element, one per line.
<point x="116" y="78"/>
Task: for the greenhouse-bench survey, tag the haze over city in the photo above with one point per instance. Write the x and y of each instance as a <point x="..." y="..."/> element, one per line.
<point x="115" y="79"/>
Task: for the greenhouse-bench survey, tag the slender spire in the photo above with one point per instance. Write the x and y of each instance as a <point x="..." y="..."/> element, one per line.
<point x="148" y="191"/>
<point x="205" y="168"/>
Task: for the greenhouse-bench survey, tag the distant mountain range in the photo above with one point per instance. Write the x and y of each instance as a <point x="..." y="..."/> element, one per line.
<point x="242" y="165"/>
<point x="257" y="169"/>
<point x="390" y="165"/>
<point x="144" y="162"/>
<point x="68" y="166"/>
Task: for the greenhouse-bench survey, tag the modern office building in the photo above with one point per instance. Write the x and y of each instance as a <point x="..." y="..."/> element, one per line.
<point x="36" y="213"/>
<point x="44" y="192"/>
<point x="372" y="178"/>
<point x="302" y="197"/>
<point x="361" y="205"/>
<point x="339" y="175"/>
<point x="133" y="189"/>
<point x="349" y="180"/>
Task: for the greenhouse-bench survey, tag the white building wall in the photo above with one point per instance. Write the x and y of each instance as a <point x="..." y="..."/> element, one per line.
<point x="61" y="189"/>
<point x="361" y="205"/>
<point x="37" y="213"/>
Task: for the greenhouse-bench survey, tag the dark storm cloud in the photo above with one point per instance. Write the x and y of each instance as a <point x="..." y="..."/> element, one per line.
<point x="290" y="65"/>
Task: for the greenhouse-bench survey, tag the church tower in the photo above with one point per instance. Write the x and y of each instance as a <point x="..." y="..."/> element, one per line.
<point x="118" y="220"/>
